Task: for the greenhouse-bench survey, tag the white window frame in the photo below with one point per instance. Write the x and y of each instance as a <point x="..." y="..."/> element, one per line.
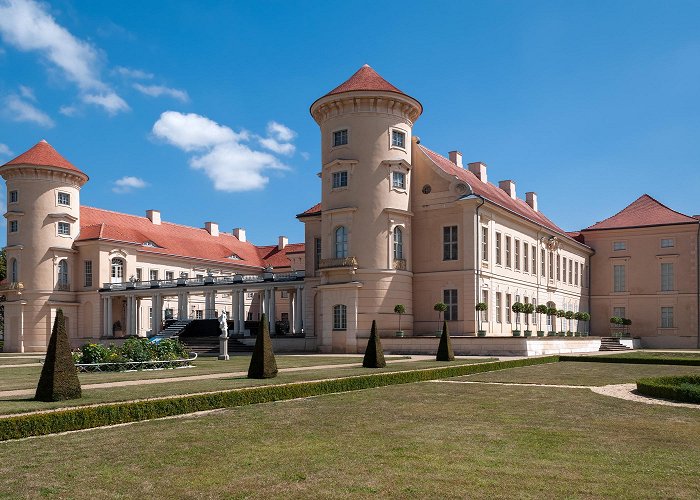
<point x="87" y="273"/>
<point x="499" y="311"/>
<point x="526" y="257"/>
<point x="396" y="174"/>
<point x="450" y="246"/>
<point x="509" y="260"/>
<point x="516" y="254"/>
<point x="340" y="317"/>
<point x="402" y="132"/>
<point x="341" y="244"/>
<point x="63" y="273"/>
<point x="485" y="243"/>
<point x="340" y="131"/>
<point x="397" y="235"/>
<point x="150" y="275"/>
<point x="339" y="177"/>
<point x="13" y="226"/>
<point x="58" y="199"/>
<point x="666" y="317"/>
<point x="13" y="194"/>
<point x="66" y="232"/>
<point x="499" y="243"/>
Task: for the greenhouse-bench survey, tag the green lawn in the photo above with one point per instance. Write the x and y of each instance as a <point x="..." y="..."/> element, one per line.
<point x="112" y="394"/>
<point x="581" y="373"/>
<point x="428" y="440"/>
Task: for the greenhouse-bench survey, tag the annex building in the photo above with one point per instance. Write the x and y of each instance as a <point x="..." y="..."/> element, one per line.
<point x="397" y="223"/>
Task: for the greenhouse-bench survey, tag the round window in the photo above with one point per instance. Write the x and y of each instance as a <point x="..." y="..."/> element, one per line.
<point x="427" y="189"/>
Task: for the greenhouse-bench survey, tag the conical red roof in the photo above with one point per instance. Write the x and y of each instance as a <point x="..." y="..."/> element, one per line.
<point x="43" y="154"/>
<point x="365" y="78"/>
<point x="644" y="211"/>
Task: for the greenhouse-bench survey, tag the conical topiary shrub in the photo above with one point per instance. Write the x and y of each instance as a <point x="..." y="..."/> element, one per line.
<point x="374" y="354"/>
<point x="59" y="377"/>
<point x="445" y="352"/>
<point x="262" y="363"/>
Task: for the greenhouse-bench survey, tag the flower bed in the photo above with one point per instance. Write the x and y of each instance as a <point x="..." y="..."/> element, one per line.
<point x="133" y="354"/>
<point x="135" y="365"/>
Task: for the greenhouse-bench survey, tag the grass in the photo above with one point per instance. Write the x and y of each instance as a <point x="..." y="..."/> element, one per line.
<point x="412" y="441"/>
<point x="659" y="355"/>
<point x="25" y="404"/>
<point x="580" y="373"/>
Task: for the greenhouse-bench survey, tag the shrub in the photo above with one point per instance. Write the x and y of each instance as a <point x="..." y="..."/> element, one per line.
<point x="168" y="349"/>
<point x="59" y="378"/>
<point x="685" y="388"/>
<point x="374" y="354"/>
<point x="445" y="352"/>
<point x="481" y="306"/>
<point x="93" y="353"/>
<point x="400" y="309"/>
<point x="262" y="362"/>
<point x="138" y="349"/>
<point x="633" y="360"/>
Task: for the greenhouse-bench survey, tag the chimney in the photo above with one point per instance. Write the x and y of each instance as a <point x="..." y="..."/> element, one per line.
<point x="531" y="199"/>
<point x="239" y="233"/>
<point x="479" y="169"/>
<point x="508" y="186"/>
<point x="212" y="228"/>
<point x="153" y="216"/>
<point x="456" y="158"/>
<point x="282" y="242"/>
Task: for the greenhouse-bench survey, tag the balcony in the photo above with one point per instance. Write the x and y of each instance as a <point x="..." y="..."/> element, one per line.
<point x="339" y="263"/>
<point x="62" y="287"/>
<point x="400" y="264"/>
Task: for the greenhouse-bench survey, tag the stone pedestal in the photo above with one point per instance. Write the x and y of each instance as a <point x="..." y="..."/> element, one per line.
<point x="223" y="347"/>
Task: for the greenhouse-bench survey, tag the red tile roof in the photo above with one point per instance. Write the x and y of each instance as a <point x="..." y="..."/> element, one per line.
<point x="43" y="154"/>
<point x="177" y="240"/>
<point x="365" y="78"/>
<point x="492" y="193"/>
<point x="315" y="210"/>
<point x="644" y="211"/>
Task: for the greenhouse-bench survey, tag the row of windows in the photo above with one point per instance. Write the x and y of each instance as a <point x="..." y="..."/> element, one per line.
<point x="663" y="243"/>
<point x="340" y="180"/>
<point x="62" y="228"/>
<point x="341" y="138"/>
<point x="665" y="316"/>
<point x="341" y="244"/>
<point x="667" y="276"/>
<point x="61" y="198"/>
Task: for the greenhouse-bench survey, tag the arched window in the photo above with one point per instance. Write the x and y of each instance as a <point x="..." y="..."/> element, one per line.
<point x="341" y="242"/>
<point x="14" y="271"/>
<point x="340" y="317"/>
<point x="117" y="270"/>
<point x="63" y="274"/>
<point x="398" y="243"/>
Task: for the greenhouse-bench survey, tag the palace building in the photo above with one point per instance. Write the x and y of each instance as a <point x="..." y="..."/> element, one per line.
<point x="397" y="224"/>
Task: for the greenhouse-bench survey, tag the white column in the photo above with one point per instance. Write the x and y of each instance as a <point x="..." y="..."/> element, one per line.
<point x="154" y="314"/>
<point x="240" y="326"/>
<point x="271" y="316"/>
<point x="21" y="325"/>
<point x="298" y="312"/>
<point x="234" y="309"/>
<point x="129" y="312"/>
<point x="292" y="311"/>
<point x="209" y="305"/>
<point x="182" y="305"/>
<point x="300" y="306"/>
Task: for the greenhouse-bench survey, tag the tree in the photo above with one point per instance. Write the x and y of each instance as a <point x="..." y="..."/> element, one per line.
<point x="262" y="362"/>
<point x="540" y="310"/>
<point x="517" y="308"/>
<point x="481" y="307"/>
<point x="585" y="317"/>
<point x="445" y="352"/>
<point x="552" y="312"/>
<point x="560" y="314"/>
<point x="528" y="309"/>
<point x="440" y="307"/>
<point x="569" y="315"/>
<point x="400" y="309"/>
<point x="59" y="377"/>
<point x="374" y="354"/>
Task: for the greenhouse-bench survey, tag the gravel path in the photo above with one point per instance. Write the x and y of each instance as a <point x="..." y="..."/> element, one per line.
<point x="628" y="392"/>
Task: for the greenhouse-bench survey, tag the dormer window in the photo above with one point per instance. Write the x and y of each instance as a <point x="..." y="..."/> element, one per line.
<point x="398" y="139"/>
<point x="14" y="196"/>
<point x="340" y="179"/>
<point x="64" y="199"/>
<point x="234" y="256"/>
<point x="149" y="243"/>
<point x="340" y="137"/>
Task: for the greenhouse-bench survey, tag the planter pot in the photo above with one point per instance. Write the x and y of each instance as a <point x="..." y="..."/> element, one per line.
<point x="528" y="333"/>
<point x="540" y="333"/>
<point x="561" y="334"/>
<point x="551" y="334"/>
<point x="400" y="333"/>
<point x="578" y="334"/>
<point x="569" y="334"/>
<point x="481" y="333"/>
<point x="438" y="334"/>
<point x="516" y="333"/>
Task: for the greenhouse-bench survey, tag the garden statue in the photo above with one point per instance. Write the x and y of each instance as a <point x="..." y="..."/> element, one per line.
<point x="223" y="338"/>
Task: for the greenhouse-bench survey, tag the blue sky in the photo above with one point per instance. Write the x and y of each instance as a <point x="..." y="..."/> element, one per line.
<point x="200" y="109"/>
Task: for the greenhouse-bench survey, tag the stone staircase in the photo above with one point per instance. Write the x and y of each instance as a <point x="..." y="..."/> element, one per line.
<point x="209" y="346"/>
<point x="612" y="344"/>
<point x="172" y="331"/>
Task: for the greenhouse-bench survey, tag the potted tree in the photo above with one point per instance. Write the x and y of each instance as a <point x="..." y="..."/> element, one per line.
<point x="540" y="310"/>
<point x="480" y="308"/>
<point x="577" y="317"/>
<point x="440" y="307"/>
<point x="528" y="309"/>
<point x="561" y="313"/>
<point x="400" y="309"/>
<point x="626" y="323"/>
<point x="517" y="308"/>
<point x="585" y="317"/>
<point x="552" y="313"/>
<point x="569" y="315"/>
<point x="616" y="323"/>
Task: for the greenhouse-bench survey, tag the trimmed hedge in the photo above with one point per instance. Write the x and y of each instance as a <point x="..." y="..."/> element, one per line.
<point x="685" y="388"/>
<point x="632" y="360"/>
<point x="37" y="424"/>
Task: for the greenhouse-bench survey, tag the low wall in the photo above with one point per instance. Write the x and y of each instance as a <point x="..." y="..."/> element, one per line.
<point x="290" y="344"/>
<point x="669" y="342"/>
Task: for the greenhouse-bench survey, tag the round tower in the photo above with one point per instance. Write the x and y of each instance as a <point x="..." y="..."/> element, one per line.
<point x="43" y="220"/>
<point x="366" y="130"/>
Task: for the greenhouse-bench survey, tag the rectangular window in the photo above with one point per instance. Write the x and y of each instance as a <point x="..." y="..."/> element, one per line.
<point x="88" y="273"/>
<point x="449" y="243"/>
<point x="576" y="273"/>
<point x="534" y="315"/>
<point x="317" y="253"/>
<point x="517" y="255"/>
<point x="485" y="300"/>
<point x="340" y="317"/>
<point x="199" y="314"/>
<point x="509" y="303"/>
<point x="340" y="179"/>
<point x="582" y="275"/>
<point x="665" y="242"/>
<point x="398" y="180"/>
<point x="619" y="245"/>
<point x="450" y="300"/>
<point x="619" y="312"/>
<point x="559" y="267"/>
<point x="551" y="265"/>
<point x="169" y="275"/>
<point x="667" y="284"/>
<point x="498" y="308"/>
<point x="619" y="278"/>
<point x="498" y="248"/>
<point x="139" y="274"/>
<point x="340" y="137"/>
<point x="508" y="256"/>
<point x="484" y="243"/>
<point x="153" y="274"/>
<point x="63" y="199"/>
<point x="14" y="226"/>
<point x="398" y="139"/>
<point x="526" y="258"/>
<point x="64" y="228"/>
<point x="543" y="264"/>
<point x="667" y="317"/>
<point x="571" y="272"/>
<point x="534" y="259"/>
<point x="14" y="196"/>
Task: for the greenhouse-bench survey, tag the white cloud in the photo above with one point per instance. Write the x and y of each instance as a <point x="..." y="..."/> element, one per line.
<point x="27" y="93"/>
<point x="20" y="110"/>
<point x="128" y="183"/>
<point x="280" y="132"/>
<point x="5" y="150"/>
<point x="26" y="25"/>
<point x="278" y="139"/>
<point x="305" y="155"/>
<point x="136" y="74"/>
<point x="68" y="110"/>
<point x="221" y="154"/>
<point x="159" y="90"/>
